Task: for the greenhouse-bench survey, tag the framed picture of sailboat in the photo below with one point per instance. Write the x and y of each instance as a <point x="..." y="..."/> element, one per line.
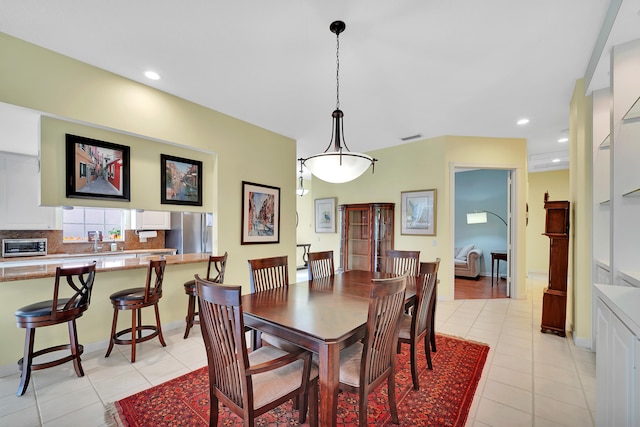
<point x="418" y="212"/>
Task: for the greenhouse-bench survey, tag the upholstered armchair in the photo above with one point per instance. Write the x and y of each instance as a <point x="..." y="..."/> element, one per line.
<point x="467" y="261"/>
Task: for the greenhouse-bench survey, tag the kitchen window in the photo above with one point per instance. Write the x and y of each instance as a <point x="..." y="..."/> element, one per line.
<point x="78" y="222"/>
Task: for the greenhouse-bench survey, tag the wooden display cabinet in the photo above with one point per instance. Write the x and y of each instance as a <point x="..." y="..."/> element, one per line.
<point x="366" y="235"/>
<point x="554" y="301"/>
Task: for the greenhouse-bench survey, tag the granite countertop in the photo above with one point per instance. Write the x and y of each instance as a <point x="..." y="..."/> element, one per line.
<point x="26" y="272"/>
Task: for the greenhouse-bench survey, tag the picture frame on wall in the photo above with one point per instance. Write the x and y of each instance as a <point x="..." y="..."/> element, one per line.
<point x="325" y="215"/>
<point x="96" y="169"/>
<point x="418" y="212"/>
<point x="180" y="181"/>
<point x="260" y="213"/>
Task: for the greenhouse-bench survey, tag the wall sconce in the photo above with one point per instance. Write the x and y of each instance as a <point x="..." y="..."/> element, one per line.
<point x="481" y="217"/>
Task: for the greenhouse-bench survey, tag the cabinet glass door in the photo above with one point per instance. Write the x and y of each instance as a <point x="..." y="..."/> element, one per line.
<point x="358" y="239"/>
<point x="382" y="237"/>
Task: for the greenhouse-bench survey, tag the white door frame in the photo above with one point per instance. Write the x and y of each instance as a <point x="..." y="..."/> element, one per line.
<point x="512" y="208"/>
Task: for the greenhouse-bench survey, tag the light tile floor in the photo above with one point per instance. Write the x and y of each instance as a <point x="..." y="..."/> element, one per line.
<point x="530" y="378"/>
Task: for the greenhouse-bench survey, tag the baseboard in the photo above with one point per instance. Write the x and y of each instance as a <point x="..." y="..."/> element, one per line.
<point x="12" y="369"/>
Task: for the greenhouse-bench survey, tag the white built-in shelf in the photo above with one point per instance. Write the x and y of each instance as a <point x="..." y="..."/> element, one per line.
<point x="606" y="144"/>
<point x="632" y="193"/>
<point x="631" y="278"/>
<point x="634" y="111"/>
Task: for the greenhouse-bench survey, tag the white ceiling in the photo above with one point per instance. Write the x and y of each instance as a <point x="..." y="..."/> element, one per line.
<point x="457" y="67"/>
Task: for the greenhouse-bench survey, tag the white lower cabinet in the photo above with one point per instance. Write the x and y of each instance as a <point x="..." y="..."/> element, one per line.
<point x="20" y="195"/>
<point x="616" y="376"/>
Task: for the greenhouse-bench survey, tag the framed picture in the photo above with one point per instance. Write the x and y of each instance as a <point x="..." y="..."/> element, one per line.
<point x="325" y="210"/>
<point x="96" y="169"/>
<point x="260" y="213"/>
<point x="180" y="181"/>
<point x="419" y="213"/>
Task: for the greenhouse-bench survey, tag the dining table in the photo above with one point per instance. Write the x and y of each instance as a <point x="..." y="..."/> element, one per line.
<point x="323" y="315"/>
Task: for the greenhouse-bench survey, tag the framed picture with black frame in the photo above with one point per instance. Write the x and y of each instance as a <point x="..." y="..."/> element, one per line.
<point x="96" y="169"/>
<point x="260" y="213"/>
<point x="180" y="181"/>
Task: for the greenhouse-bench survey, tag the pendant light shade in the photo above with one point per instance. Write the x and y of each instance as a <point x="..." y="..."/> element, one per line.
<point x="339" y="165"/>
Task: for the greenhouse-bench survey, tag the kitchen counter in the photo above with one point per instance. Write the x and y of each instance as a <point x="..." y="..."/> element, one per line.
<point x="105" y="261"/>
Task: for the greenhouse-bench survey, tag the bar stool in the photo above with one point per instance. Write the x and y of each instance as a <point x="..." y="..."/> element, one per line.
<point x="219" y="264"/>
<point x="135" y="299"/>
<point x="52" y="312"/>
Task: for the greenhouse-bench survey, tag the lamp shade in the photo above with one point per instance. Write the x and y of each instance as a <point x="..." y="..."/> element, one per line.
<point x="477" y="218"/>
<point x="338" y="167"/>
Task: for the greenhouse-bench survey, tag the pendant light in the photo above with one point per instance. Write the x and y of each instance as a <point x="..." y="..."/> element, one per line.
<point x="339" y="165"/>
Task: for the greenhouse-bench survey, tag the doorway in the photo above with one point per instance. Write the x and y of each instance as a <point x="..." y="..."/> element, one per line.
<point x="482" y="232"/>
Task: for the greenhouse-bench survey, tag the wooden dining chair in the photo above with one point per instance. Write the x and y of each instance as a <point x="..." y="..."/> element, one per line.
<point x="249" y="384"/>
<point x="320" y="264"/>
<point x="417" y="326"/>
<point x="366" y="364"/>
<point x="432" y="308"/>
<point x="135" y="299"/>
<point x="66" y="306"/>
<point x="268" y="273"/>
<point x="215" y="273"/>
<point x="264" y="274"/>
<point x="400" y="261"/>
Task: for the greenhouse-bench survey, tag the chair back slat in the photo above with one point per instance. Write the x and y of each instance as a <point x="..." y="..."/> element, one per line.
<point x="216" y="268"/>
<point x="426" y="284"/>
<point x="320" y="264"/>
<point x="268" y="273"/>
<point x="155" y="275"/>
<point x="400" y="261"/>
<point x="381" y="336"/>
<point x="80" y="282"/>
<point x="222" y="327"/>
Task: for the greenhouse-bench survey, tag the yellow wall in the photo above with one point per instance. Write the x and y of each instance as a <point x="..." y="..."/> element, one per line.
<point x="70" y="90"/>
<point x="56" y="85"/>
<point x="145" y="168"/>
<point x="557" y="184"/>
<point x="426" y="165"/>
<point x="581" y="253"/>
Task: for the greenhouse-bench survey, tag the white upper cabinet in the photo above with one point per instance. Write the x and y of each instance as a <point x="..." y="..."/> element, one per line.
<point x="19" y="130"/>
<point x="150" y="220"/>
<point x="20" y="195"/>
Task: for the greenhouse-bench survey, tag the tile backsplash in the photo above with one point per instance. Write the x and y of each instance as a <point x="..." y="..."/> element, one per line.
<point x="55" y="244"/>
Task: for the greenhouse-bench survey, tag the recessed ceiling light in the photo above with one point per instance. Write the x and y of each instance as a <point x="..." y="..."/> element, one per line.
<point x="152" y="75"/>
<point x="555" y="160"/>
<point x="523" y="121"/>
<point x="563" y="140"/>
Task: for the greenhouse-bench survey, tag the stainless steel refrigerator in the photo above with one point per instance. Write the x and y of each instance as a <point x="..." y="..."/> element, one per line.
<point x="191" y="232"/>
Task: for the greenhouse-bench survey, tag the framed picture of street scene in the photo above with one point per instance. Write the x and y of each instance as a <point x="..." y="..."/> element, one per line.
<point x="181" y="181"/>
<point x="96" y="169"/>
<point x="260" y="213"/>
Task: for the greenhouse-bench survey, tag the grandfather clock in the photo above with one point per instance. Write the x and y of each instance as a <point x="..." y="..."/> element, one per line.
<point x="554" y="302"/>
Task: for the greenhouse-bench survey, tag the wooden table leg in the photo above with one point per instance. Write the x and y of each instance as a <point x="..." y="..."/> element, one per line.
<point x="329" y="367"/>
<point x="493" y="261"/>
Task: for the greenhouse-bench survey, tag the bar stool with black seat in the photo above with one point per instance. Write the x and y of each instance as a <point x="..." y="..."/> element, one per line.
<point x="135" y="299"/>
<point x="58" y="310"/>
<point x="215" y="273"/>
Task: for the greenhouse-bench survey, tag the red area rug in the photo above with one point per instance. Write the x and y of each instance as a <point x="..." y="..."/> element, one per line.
<point x="444" y="397"/>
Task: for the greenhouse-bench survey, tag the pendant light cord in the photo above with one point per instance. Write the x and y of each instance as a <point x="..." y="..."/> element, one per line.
<point x="338" y="71"/>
